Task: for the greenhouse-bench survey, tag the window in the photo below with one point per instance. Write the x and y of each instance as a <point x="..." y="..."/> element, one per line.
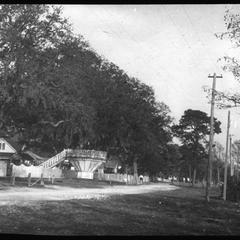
<point x="2" y="146"/>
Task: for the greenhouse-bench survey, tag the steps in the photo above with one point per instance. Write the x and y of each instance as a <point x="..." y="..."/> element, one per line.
<point x="53" y="161"/>
<point x="89" y="158"/>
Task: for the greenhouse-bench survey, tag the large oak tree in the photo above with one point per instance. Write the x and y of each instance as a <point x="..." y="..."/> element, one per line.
<point x="57" y="92"/>
<point x="193" y="129"/>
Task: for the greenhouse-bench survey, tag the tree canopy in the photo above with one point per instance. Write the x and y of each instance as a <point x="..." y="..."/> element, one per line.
<point x="228" y="99"/>
<point x="193" y="128"/>
<point x="57" y="92"/>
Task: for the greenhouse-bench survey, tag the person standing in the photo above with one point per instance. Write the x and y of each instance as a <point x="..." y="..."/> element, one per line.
<point x="141" y="179"/>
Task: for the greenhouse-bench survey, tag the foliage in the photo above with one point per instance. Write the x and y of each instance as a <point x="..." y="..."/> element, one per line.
<point x="171" y="164"/>
<point x="192" y="130"/>
<point x="56" y="92"/>
<point x="218" y="162"/>
<point x="236" y="151"/>
<point x="226" y="99"/>
<point x="233" y="188"/>
<point x="193" y="127"/>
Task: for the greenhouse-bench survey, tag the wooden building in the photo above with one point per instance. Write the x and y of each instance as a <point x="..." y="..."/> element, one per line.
<point x="6" y="152"/>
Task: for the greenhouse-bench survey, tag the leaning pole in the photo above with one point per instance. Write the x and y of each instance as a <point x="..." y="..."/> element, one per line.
<point x="226" y="161"/>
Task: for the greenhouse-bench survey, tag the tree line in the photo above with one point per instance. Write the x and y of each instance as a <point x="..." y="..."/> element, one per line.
<point x="57" y="92"/>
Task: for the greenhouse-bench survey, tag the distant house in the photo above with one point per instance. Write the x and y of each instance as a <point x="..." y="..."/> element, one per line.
<point x="6" y="152"/>
<point x="110" y="166"/>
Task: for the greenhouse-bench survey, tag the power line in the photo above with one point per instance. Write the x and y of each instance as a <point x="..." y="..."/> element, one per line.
<point x="123" y="29"/>
<point x="180" y="34"/>
<point x="186" y="42"/>
<point x="101" y="20"/>
<point x="171" y="19"/>
<point x="196" y="33"/>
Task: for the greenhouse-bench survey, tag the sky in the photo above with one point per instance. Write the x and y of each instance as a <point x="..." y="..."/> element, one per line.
<point x="172" y="48"/>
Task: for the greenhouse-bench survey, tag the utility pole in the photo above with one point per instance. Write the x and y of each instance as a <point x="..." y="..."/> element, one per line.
<point x="230" y="156"/>
<point x="237" y="162"/>
<point x="210" y="155"/>
<point x="226" y="160"/>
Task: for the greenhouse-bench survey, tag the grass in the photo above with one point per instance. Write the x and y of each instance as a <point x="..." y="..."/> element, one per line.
<point x="179" y="212"/>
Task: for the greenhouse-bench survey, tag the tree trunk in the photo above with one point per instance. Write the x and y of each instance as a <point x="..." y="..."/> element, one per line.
<point x="190" y="172"/>
<point x="194" y="176"/>
<point x="218" y="175"/>
<point x="126" y="172"/>
<point x="70" y="138"/>
<point x="135" y="171"/>
<point x="211" y="175"/>
<point x="179" y="176"/>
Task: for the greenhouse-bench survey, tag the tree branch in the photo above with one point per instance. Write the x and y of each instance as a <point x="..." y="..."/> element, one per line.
<point x="55" y="85"/>
<point x="53" y="124"/>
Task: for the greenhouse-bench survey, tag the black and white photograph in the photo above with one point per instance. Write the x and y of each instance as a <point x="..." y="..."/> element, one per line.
<point x="119" y="119"/>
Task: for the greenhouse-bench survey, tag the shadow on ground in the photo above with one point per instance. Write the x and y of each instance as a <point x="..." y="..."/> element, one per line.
<point x="71" y="183"/>
<point x="177" y="212"/>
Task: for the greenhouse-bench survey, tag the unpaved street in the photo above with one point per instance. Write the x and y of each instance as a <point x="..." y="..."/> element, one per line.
<point x="95" y="208"/>
<point x="14" y="195"/>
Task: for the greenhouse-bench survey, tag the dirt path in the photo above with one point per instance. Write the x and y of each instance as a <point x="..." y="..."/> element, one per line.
<point x="158" y="209"/>
<point x="23" y="195"/>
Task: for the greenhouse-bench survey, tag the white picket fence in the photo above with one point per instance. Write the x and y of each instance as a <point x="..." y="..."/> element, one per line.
<point x="198" y="184"/>
<point x="116" y="177"/>
<point x="22" y="171"/>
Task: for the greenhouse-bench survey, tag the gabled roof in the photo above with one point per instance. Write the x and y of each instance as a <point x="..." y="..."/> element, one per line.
<point x="16" y="146"/>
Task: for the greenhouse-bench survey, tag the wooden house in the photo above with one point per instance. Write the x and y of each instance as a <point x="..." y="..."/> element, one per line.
<point x="6" y="152"/>
<point x="112" y="165"/>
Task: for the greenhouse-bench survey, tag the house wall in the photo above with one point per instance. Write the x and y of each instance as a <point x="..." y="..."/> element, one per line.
<point x="5" y="156"/>
<point x="3" y="168"/>
<point x="6" y="151"/>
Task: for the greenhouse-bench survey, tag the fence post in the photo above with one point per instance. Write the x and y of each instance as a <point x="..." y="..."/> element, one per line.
<point x="13" y="179"/>
<point x="29" y="179"/>
<point x="42" y="181"/>
<point x="52" y="180"/>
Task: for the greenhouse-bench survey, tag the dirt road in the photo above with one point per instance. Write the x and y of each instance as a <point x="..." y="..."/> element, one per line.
<point x="95" y="208"/>
<point x="23" y="195"/>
